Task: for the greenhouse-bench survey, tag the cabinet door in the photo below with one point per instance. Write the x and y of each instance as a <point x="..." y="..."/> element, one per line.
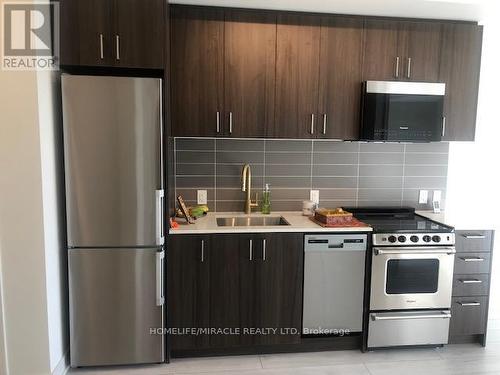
<point x="197" y="73"/>
<point x="340" y="77"/>
<point x="249" y="72"/>
<point x="232" y="280"/>
<point x="297" y="75"/>
<point x="87" y="26"/>
<point x="460" y="66"/>
<point x="279" y="287"/>
<point x="188" y="272"/>
<point x="421" y="51"/>
<point x="138" y="37"/>
<point x="382" y="60"/>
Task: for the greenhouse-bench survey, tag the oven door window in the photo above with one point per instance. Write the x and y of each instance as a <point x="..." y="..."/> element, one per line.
<point x="408" y="276"/>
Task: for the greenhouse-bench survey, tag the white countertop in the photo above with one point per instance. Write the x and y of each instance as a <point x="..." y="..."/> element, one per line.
<point x="460" y="220"/>
<point x="298" y="223"/>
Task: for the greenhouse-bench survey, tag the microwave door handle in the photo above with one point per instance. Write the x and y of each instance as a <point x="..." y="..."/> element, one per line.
<point x="444" y="127"/>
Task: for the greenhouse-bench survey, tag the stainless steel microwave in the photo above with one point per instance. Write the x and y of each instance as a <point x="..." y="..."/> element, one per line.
<point x="402" y="111"/>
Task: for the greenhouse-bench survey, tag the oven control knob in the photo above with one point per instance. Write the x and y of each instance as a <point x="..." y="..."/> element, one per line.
<point x="414" y="238"/>
<point x="426" y="238"/>
<point x="436" y="239"/>
<point x="402" y="239"/>
<point x="392" y="239"/>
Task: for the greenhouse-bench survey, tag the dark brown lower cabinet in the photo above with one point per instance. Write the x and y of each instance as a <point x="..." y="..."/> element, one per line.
<point x="247" y="288"/>
<point x="471" y="286"/>
<point x="188" y="302"/>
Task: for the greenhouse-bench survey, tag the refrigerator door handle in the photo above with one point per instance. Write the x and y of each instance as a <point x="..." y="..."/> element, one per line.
<point x="160" y="238"/>
<point x="160" y="299"/>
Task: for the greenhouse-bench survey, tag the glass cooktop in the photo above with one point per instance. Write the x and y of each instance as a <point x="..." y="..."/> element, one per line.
<point x="399" y="220"/>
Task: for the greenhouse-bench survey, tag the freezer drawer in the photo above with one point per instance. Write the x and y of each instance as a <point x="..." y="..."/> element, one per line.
<point x="116" y="297"/>
<point x="408" y="328"/>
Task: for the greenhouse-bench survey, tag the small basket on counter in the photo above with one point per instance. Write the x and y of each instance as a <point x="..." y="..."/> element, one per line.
<point x="333" y="217"/>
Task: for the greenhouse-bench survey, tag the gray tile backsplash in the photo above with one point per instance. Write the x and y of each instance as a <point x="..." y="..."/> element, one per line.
<point x="345" y="173"/>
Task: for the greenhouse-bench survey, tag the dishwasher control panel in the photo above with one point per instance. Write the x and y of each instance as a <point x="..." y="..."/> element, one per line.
<point x="335" y="242"/>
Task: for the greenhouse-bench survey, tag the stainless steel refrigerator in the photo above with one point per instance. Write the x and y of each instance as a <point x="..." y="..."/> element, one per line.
<point x="114" y="208"/>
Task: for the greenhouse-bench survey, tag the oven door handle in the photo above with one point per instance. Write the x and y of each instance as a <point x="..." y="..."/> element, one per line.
<point x="439" y="315"/>
<point x="413" y="250"/>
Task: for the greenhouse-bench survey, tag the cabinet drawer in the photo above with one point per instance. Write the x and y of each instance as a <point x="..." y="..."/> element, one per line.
<point x="470" y="285"/>
<point x="467" y="263"/>
<point x="473" y="240"/>
<point x="468" y="315"/>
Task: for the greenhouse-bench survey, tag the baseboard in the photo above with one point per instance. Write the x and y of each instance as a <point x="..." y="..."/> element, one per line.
<point x="63" y="365"/>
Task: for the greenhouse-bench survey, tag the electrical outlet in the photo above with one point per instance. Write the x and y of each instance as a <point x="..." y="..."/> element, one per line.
<point x="202" y="197"/>
<point x="436" y="196"/>
<point x="314" y="196"/>
<point x="423" y="196"/>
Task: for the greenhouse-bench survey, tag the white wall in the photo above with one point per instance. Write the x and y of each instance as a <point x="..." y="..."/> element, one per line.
<point x="474" y="178"/>
<point x="439" y="9"/>
<point x="53" y="214"/>
<point x="33" y="286"/>
<point x="21" y="227"/>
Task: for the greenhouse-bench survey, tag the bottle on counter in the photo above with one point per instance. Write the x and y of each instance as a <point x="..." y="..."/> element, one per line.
<point x="266" y="201"/>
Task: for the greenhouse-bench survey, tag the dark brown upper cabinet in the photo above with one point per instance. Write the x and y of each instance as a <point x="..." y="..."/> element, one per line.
<point x="459" y="69"/>
<point x="86" y="32"/>
<point x="223" y="72"/>
<point x="381" y="60"/>
<point x="113" y="33"/>
<point x="421" y="51"/>
<point x="297" y="76"/>
<point x="139" y="33"/>
<point x="340" y="77"/>
<point x="197" y="71"/>
<point x="249" y="72"/>
<point x="401" y="50"/>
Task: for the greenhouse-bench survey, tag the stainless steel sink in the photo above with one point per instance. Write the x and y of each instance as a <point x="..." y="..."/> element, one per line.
<point x="241" y="221"/>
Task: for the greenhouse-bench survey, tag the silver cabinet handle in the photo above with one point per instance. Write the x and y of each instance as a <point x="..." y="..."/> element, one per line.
<point x="312" y="123"/>
<point x="160" y="299"/>
<point x="472" y="259"/>
<point x="218" y="122"/>
<point x="250" y="249"/>
<point x="324" y="124"/>
<point x="264" y="249"/>
<point x="230" y="122"/>
<point x="469" y="303"/>
<point x="470" y="281"/>
<point x="474" y="236"/>
<point x="396" y="73"/>
<point x="408" y="75"/>
<point x="160" y="238"/>
<point x="202" y="251"/>
<point x="117" y="47"/>
<point x="444" y="127"/>
<point x="101" y="46"/>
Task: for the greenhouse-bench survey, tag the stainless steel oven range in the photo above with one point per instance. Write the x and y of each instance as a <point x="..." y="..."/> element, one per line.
<point x="411" y="279"/>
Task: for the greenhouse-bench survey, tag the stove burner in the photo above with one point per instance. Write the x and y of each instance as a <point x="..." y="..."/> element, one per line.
<point x="403" y="227"/>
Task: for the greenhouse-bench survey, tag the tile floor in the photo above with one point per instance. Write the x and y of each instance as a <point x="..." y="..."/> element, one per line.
<point x="450" y="360"/>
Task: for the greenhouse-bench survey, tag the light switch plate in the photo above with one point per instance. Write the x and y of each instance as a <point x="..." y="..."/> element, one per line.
<point x="314" y="196"/>
<point x="202" y="197"/>
<point x="423" y="196"/>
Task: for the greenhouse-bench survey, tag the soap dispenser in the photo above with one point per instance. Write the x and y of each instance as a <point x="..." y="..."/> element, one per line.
<point x="266" y="201"/>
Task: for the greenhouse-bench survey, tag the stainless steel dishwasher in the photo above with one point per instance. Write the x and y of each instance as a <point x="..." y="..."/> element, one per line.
<point x="334" y="283"/>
